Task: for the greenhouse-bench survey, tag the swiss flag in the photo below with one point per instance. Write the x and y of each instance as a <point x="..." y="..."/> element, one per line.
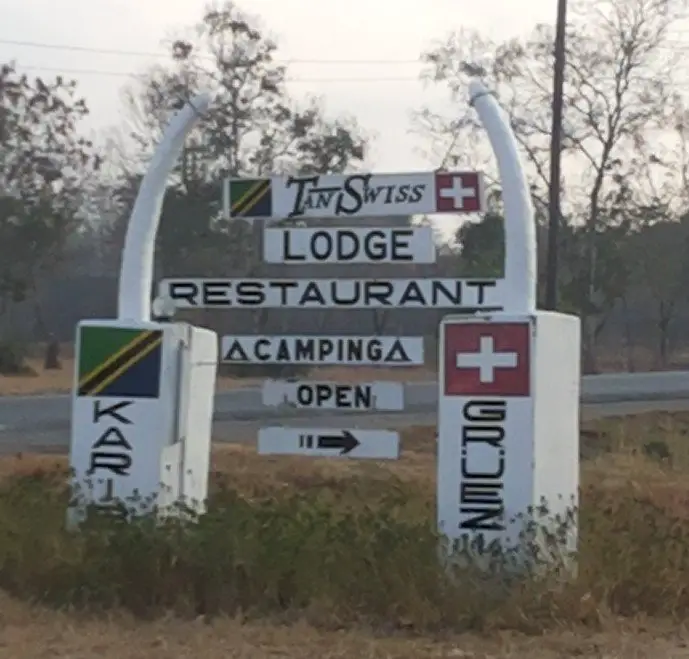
<point x="458" y="192"/>
<point x="487" y="359"/>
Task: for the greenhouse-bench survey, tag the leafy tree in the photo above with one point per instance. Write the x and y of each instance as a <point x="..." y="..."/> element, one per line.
<point x="44" y="163"/>
<point x="253" y="128"/>
<point x="618" y="92"/>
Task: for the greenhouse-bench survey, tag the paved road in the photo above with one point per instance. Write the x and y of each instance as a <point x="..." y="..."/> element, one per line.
<point x="42" y="422"/>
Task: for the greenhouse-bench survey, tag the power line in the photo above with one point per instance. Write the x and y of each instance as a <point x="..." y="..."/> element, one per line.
<point x="355" y="79"/>
<point x="131" y="74"/>
<point x="135" y="53"/>
<point x="670" y="44"/>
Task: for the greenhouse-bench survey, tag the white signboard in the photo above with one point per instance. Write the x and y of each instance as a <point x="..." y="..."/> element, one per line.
<point x="106" y="457"/>
<point x="323" y="350"/>
<point x="340" y="396"/>
<point x="485" y="408"/>
<point x="356" y="195"/>
<point x="329" y="442"/>
<point x="360" y="245"/>
<point x="463" y="296"/>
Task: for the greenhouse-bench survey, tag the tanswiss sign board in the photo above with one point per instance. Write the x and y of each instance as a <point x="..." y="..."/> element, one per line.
<point x="485" y="426"/>
<point x="328" y="350"/>
<point x="329" y="442"/>
<point x="464" y="296"/>
<point x="388" y="245"/>
<point x="357" y="195"/>
<point x="335" y="395"/>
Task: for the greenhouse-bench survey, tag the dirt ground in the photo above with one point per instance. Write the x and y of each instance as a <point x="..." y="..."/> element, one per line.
<point x="30" y="633"/>
<point x="60" y="381"/>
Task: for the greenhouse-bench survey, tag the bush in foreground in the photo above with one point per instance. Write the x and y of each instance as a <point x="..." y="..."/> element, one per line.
<point x="338" y="551"/>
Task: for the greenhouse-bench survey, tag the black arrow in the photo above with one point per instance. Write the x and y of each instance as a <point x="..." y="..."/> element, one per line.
<point x="346" y="441"/>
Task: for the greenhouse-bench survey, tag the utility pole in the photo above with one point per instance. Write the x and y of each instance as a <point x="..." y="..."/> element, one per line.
<point x="555" y="151"/>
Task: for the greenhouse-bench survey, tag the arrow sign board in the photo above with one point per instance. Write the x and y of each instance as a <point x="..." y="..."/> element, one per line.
<point x="388" y="245"/>
<point x="311" y="350"/>
<point x="356" y="195"/>
<point x="329" y="443"/>
<point x="335" y="395"/>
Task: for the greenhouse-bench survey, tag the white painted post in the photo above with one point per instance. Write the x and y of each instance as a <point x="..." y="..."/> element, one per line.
<point x="508" y="413"/>
<point x="142" y="402"/>
<point x="136" y="272"/>
<point x="520" y="229"/>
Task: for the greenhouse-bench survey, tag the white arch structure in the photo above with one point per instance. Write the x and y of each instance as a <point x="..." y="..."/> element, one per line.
<point x="136" y="271"/>
<point x="136" y="274"/>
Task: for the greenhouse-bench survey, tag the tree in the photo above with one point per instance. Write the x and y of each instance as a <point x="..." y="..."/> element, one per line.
<point x="43" y="165"/>
<point x="254" y="128"/>
<point x="618" y="89"/>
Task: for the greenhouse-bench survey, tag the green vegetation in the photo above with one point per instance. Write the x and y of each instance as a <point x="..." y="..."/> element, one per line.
<point x="349" y="545"/>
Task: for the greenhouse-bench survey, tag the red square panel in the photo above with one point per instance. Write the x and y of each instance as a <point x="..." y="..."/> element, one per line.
<point x="487" y="359"/>
<point x="458" y="192"/>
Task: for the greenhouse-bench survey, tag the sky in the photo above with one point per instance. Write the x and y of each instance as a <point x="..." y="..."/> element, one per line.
<point x="388" y="35"/>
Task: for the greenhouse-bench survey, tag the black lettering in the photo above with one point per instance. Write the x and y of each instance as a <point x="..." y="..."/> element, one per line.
<point x="485" y="410"/>
<point x="481" y="287"/>
<point x="371" y="194"/>
<point x="342" y="253"/>
<point x="413" y="293"/>
<point x="250" y="293"/>
<point x="282" y="354"/>
<point x="113" y="437"/>
<point x="482" y="519"/>
<point x="397" y="354"/>
<point x="304" y="350"/>
<point x="302" y="183"/>
<point x="482" y="475"/>
<point x="416" y="193"/>
<point x="326" y="347"/>
<point x="259" y="353"/>
<point x="117" y="463"/>
<point x="283" y="287"/>
<point x="112" y="411"/>
<point x="479" y="493"/>
<point x="236" y="353"/>
<point x="375" y="350"/>
<point x="402" y="193"/>
<point x="362" y="397"/>
<point x="286" y="248"/>
<point x="324" y="393"/>
<point x="400" y="242"/>
<point x="491" y="435"/>
<point x="312" y="294"/>
<point x="338" y="288"/>
<point x="304" y="395"/>
<point x="378" y="291"/>
<point x="350" y="192"/>
<point x="184" y="290"/>
<point x="216" y="293"/>
<point x="439" y="290"/>
<point x="324" y="253"/>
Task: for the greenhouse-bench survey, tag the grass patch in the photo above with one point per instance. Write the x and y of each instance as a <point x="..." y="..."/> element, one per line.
<point x="338" y="544"/>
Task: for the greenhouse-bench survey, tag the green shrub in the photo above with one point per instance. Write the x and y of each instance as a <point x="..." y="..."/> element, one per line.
<point x="334" y="558"/>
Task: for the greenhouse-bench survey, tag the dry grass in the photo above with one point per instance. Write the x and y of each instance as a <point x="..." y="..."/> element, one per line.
<point x="629" y="600"/>
<point x="60" y="381"/>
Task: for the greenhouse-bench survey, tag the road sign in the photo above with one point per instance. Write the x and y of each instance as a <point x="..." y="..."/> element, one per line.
<point x="507" y="437"/>
<point x="324" y="350"/>
<point x="461" y="295"/>
<point x="335" y="395"/>
<point x="329" y="442"/>
<point x="356" y="195"/>
<point x="338" y="245"/>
